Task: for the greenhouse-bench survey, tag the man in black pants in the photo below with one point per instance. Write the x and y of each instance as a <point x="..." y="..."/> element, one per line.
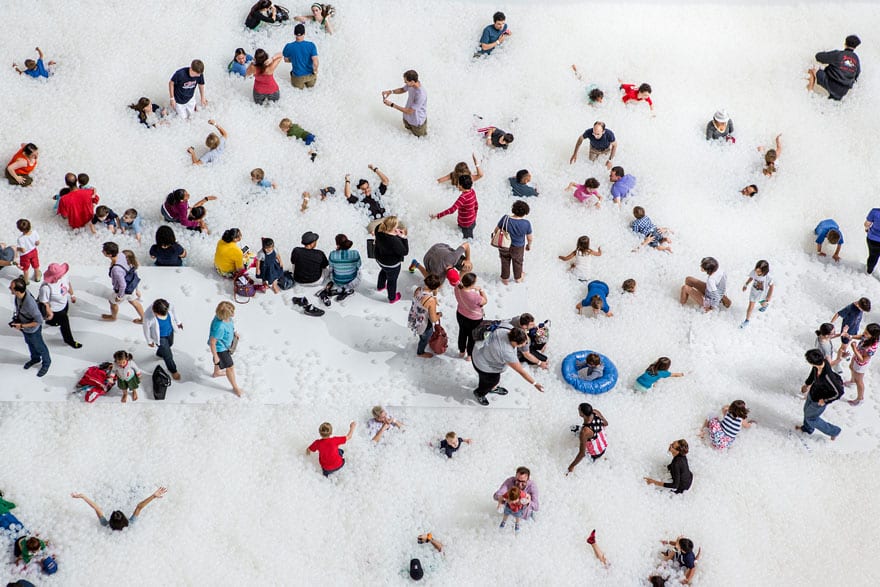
<point x="492" y="357"/>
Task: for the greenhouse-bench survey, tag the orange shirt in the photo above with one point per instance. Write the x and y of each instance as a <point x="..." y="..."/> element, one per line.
<point x="20" y="156"/>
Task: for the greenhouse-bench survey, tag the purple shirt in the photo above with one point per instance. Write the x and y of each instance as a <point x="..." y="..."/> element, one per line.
<point x="180" y="213"/>
<point x="530" y="488"/>
<point x="117" y="274"/>
<point x="623" y="186"/>
<point x="417" y="99"/>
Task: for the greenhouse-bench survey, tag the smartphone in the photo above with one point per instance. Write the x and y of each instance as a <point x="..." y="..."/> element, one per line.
<point x="244" y="250"/>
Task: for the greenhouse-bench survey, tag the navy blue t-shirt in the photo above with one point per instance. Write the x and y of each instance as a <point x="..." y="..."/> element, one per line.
<point x="602" y="143"/>
<point x="852" y="317"/>
<point x="185" y="85"/>
<point x="688" y="560"/>
<point x="169" y="257"/>
<point x="449" y="449"/>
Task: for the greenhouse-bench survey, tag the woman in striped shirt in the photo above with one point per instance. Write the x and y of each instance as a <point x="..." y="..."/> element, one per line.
<point x="344" y="268"/>
<point x="723" y="431"/>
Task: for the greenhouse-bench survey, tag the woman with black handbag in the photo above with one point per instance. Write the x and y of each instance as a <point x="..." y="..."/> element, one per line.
<point x="391" y="248"/>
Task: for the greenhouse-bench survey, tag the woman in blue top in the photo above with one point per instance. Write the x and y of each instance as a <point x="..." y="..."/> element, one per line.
<point x="239" y="63"/>
<point x="656" y="371"/>
<point x="872" y="227"/>
<point x="596" y="299"/>
<point x="520" y="231"/>
<point x="222" y="341"/>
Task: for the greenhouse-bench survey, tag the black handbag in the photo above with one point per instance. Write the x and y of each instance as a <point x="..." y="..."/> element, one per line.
<point x="371" y="248"/>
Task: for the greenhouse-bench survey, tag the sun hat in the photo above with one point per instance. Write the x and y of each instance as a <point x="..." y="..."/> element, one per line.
<point x="55" y="271"/>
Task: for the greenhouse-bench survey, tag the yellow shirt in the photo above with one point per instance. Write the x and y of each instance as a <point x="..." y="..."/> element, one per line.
<point x="228" y="257"/>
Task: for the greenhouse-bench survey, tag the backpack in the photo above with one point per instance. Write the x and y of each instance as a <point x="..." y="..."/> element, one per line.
<point x="286" y="280"/>
<point x="161" y="381"/>
<point x="484" y="328"/>
<point x="836" y="381"/>
<point x="417" y="320"/>
<point x="50" y="567"/>
<point x="132" y="280"/>
<point x="95" y="382"/>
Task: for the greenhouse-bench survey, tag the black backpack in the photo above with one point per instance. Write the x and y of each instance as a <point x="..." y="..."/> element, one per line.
<point x="836" y="381"/>
<point x="482" y="331"/>
<point x="161" y="381"/>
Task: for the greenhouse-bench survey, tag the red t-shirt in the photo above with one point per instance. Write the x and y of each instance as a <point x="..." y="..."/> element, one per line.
<point x="631" y="92"/>
<point x="328" y="452"/>
<point x="78" y="207"/>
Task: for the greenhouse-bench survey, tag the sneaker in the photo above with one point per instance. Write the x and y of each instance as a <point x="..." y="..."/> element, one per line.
<point x="575" y="429"/>
<point x="310" y="310"/>
<point x="763" y="308"/>
<point x="516" y="528"/>
<point x="396" y="299"/>
<point x="324" y="295"/>
<point x="591" y="539"/>
<point x="75" y="345"/>
<point x="412" y="265"/>
<point x="300" y="302"/>
<point x="31" y="363"/>
<point x="344" y="294"/>
<point x="744" y="324"/>
<point x="481" y="399"/>
<point x="499" y="390"/>
<point x="38" y="275"/>
<point x="502" y="524"/>
<point x="44" y="368"/>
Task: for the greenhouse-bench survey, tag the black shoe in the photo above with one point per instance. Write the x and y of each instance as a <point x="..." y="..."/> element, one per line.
<point x="31" y="363"/>
<point x="344" y="294"/>
<point x="324" y="295"/>
<point x="75" y="345"/>
<point x="499" y="390"/>
<point x="300" y="302"/>
<point x="43" y="369"/>
<point x="481" y="399"/>
<point x="310" y="310"/>
<point x="575" y="429"/>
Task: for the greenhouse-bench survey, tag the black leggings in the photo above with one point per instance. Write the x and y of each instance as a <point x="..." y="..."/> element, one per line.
<point x="61" y="319"/>
<point x="388" y="278"/>
<point x="466" y="333"/>
<point x="488" y="382"/>
<point x="873" y="254"/>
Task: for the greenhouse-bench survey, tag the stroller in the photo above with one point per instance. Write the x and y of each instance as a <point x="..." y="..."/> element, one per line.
<point x="95" y="382"/>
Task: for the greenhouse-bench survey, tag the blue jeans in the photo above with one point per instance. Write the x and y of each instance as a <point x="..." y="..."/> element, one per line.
<point x="813" y="420"/>
<point x="424" y="338"/>
<point x="36" y="346"/>
<point x="164" y="352"/>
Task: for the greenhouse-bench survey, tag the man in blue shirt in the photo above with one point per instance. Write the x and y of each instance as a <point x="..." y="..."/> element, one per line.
<point x="828" y="229"/>
<point x="622" y="184"/>
<point x="602" y="141"/>
<point x="494" y="34"/>
<point x="303" y="56"/>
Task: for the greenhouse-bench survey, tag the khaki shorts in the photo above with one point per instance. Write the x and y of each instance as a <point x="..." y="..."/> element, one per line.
<point x="419" y="131"/>
<point x="594" y="153"/>
<point x="125" y="298"/>
<point x="303" y="81"/>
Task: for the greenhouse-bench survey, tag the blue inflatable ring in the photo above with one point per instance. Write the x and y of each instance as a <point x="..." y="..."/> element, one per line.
<point x="595" y="387"/>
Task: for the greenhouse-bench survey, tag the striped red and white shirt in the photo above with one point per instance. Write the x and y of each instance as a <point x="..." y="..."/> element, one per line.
<point x="467" y="207"/>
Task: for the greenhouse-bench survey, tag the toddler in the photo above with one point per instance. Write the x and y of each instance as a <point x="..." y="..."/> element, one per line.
<point x="580" y="258"/>
<point x="216" y="145"/>
<point x="258" y="176"/>
<point x="131" y="222"/>
<point x="452" y="443"/>
<point x="294" y="130"/>
<point x="327" y="447"/>
<point x="104" y="215"/>
<point x="126" y="375"/>
<point x="591" y="369"/>
<point x="35" y="68"/>
<point x="28" y="256"/>
<point x="656" y="371"/>
<point x="723" y="431"/>
<point x="640" y="94"/>
<point x="588" y="193"/>
<point x="629" y="285"/>
<point x="761" y="291"/>
<point x="513" y="503"/>
<point x="655" y="237"/>
<point x="269" y="267"/>
<point x="83" y="180"/>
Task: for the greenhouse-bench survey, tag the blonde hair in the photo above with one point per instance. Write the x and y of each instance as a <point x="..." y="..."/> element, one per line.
<point x="285" y="122"/>
<point x="377" y="411"/>
<point x="450" y="436"/>
<point x="258" y="174"/>
<point x="388" y="225"/>
<point x="225" y="311"/>
<point x="132" y="260"/>
<point x="213" y="141"/>
<point x="325" y="429"/>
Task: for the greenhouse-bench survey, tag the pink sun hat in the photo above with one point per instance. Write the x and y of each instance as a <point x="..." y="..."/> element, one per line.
<point x="55" y="271"/>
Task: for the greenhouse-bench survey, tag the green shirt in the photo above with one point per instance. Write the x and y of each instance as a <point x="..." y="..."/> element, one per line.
<point x="298" y="132"/>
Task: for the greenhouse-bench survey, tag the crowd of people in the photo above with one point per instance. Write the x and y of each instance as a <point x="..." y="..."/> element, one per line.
<point x="490" y="345"/>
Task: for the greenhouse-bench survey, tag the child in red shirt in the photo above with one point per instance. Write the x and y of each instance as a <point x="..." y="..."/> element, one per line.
<point x="327" y="447"/>
<point x="640" y="94"/>
<point x="467" y="207"/>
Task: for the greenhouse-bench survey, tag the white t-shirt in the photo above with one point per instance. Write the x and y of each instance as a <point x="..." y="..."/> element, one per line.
<point x="28" y="242"/>
<point x="56" y="294"/>
<point x="582" y="265"/>
<point x="760" y="282"/>
<point x="716" y="286"/>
